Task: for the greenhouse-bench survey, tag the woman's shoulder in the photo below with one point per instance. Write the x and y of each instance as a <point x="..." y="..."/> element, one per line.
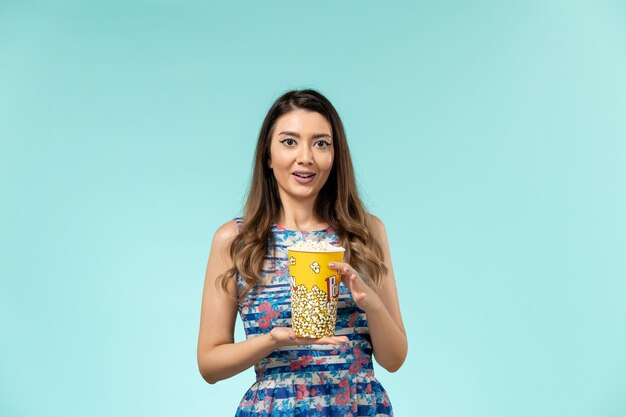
<point x="374" y="221"/>
<point x="376" y="225"/>
<point x="227" y="232"/>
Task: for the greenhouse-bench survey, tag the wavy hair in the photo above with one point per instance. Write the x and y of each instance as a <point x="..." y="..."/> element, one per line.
<point x="338" y="202"/>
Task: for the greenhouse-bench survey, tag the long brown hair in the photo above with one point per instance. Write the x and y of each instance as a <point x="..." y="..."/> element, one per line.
<point x="338" y="202"/>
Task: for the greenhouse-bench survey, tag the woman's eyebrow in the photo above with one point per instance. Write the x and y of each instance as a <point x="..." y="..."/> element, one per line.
<point x="319" y="135"/>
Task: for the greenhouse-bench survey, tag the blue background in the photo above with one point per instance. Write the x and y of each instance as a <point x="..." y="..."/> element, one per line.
<point x="489" y="136"/>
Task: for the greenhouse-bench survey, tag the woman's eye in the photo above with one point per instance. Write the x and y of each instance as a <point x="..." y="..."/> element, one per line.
<point x="322" y="144"/>
<point x="288" y="142"/>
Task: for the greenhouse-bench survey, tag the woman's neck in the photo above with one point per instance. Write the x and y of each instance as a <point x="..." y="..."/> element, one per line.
<point x="299" y="215"/>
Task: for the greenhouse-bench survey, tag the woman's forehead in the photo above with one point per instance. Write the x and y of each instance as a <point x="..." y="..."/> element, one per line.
<point x="302" y="122"/>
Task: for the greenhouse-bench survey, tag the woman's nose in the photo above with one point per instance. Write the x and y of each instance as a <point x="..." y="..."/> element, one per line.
<point x="305" y="156"/>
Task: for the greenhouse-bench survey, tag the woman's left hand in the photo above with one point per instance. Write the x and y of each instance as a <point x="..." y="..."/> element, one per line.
<point x="364" y="297"/>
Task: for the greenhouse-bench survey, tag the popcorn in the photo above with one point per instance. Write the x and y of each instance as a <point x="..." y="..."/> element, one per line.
<point x="312" y="314"/>
<point x="313" y="246"/>
<point x="315" y="267"/>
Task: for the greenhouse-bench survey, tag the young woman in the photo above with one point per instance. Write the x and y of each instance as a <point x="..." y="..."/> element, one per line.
<point x="303" y="187"/>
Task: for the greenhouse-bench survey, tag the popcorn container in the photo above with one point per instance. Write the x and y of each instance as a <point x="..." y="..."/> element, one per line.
<point x="314" y="290"/>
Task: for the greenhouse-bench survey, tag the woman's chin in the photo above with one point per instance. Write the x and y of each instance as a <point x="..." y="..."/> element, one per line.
<point x="306" y="194"/>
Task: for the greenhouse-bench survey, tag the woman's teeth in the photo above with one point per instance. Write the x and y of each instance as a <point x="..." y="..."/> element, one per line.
<point x="303" y="175"/>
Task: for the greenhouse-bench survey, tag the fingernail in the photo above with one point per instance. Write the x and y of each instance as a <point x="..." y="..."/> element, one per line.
<point x="332" y="264"/>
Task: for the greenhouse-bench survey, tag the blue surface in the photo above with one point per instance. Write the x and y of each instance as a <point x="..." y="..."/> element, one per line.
<point x="488" y="136"/>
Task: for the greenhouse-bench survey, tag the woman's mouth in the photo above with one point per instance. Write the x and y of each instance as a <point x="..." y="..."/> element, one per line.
<point x="303" y="177"/>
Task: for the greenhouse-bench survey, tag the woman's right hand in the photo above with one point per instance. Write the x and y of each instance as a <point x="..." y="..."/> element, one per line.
<point x="284" y="336"/>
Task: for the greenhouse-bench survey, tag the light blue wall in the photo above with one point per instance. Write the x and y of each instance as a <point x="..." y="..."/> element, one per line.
<point x="489" y="136"/>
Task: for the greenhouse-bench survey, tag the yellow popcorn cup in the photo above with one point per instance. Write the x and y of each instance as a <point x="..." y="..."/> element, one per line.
<point x="314" y="291"/>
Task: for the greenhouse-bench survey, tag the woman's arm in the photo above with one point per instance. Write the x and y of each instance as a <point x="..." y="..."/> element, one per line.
<point x="218" y="356"/>
<point x="387" y="331"/>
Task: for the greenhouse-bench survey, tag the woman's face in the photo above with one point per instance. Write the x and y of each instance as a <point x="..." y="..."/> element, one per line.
<point x="301" y="154"/>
